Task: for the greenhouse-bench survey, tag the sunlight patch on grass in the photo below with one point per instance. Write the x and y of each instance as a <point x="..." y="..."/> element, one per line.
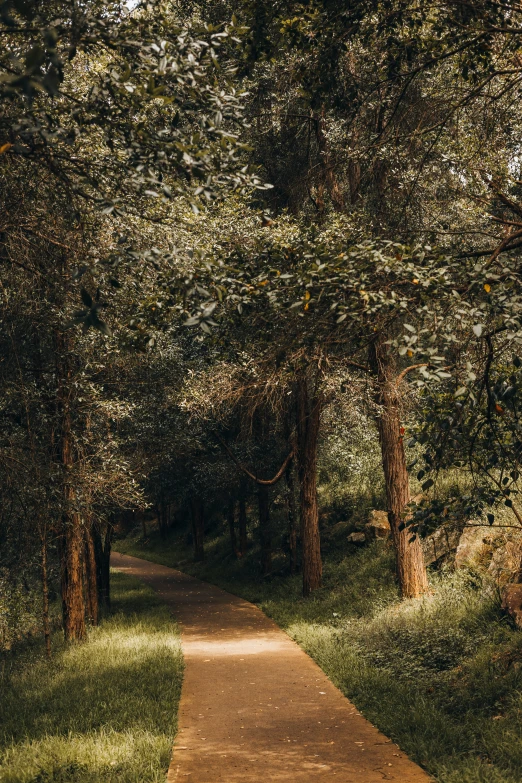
<point x="441" y="676"/>
<point x="102" y="756"/>
<point x="101" y="711"/>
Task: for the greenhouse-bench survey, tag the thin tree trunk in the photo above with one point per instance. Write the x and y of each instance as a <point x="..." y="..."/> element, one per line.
<point x="264" y="529"/>
<point x="161" y="511"/>
<point x="242" y="521"/>
<point x="45" y="596"/>
<point x="106" y="567"/>
<point x="72" y="540"/>
<point x="91" y="582"/>
<point x="328" y="180"/>
<point x="291" y="517"/>
<point x="242" y="517"/>
<point x="411" y="570"/>
<point x="308" y="421"/>
<point x="197" y="529"/>
<point x="231" y="509"/>
<point x="102" y="550"/>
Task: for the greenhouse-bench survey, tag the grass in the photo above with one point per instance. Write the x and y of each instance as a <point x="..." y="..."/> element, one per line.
<point x="104" y="710"/>
<point x="442" y="676"/>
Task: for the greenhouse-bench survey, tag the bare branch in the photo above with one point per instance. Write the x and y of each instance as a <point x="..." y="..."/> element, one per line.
<point x="262" y="482"/>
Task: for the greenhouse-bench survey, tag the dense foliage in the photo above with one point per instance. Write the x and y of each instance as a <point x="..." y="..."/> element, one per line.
<point x="246" y="249"/>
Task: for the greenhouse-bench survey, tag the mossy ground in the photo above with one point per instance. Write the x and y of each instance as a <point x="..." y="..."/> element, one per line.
<point x="442" y="676"/>
<point x="101" y="711"/>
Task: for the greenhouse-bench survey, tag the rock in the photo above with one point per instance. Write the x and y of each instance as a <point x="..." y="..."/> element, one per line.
<point x="377" y="526"/>
<point x="475" y="546"/>
<point x="512" y="602"/>
<point x="439" y="544"/>
<point x="506" y="561"/>
<point x="356" y="538"/>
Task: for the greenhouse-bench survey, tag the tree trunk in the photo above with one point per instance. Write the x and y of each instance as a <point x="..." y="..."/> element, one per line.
<point x="161" y="511"/>
<point x="91" y="581"/>
<point x="308" y="420"/>
<point x="411" y="570"/>
<point x="73" y="606"/>
<point x="327" y="178"/>
<point x="264" y="529"/>
<point x="231" y="508"/>
<point x="197" y="529"/>
<point x="102" y="550"/>
<point x="242" y="521"/>
<point x="45" y="596"/>
<point x="291" y="517"/>
<point x="72" y="538"/>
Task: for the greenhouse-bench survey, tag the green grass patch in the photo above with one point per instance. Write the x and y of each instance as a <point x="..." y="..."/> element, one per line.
<point x="442" y="676"/>
<point x="104" y="710"/>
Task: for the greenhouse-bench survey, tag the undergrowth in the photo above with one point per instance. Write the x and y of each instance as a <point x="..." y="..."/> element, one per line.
<point x="441" y="676"/>
<point x="102" y="711"/>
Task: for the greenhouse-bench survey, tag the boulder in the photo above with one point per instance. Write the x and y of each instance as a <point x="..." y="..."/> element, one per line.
<point x="512" y="602"/>
<point x="439" y="544"/>
<point x="377" y="526"/>
<point x="506" y="561"/>
<point x="476" y="545"/>
<point x="356" y="538"/>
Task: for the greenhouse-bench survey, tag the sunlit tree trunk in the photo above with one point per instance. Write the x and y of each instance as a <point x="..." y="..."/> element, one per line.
<point x="308" y="421"/>
<point x="411" y="570"/>
<point x="73" y="606"/>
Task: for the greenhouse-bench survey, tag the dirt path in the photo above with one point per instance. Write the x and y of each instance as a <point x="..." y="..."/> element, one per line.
<point x="254" y="707"/>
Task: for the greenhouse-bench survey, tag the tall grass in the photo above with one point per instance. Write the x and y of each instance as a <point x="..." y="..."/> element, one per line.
<point x="104" y="710"/>
<point x="442" y="675"/>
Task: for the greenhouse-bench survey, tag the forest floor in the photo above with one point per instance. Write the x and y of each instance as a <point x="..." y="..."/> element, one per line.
<point x="254" y="706"/>
<point x="441" y="676"/>
<point x="104" y="710"/>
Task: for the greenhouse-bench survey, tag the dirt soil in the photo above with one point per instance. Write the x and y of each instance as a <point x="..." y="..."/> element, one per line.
<point x="254" y="707"/>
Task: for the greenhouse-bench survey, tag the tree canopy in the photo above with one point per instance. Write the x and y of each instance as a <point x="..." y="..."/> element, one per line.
<point x="231" y="232"/>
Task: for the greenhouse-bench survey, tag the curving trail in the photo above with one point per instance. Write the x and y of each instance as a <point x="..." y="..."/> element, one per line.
<point x="254" y="707"/>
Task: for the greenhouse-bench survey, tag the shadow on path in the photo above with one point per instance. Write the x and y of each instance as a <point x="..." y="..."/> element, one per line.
<point x="254" y="707"/>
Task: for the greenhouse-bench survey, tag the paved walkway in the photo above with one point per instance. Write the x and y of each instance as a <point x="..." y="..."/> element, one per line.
<point x="254" y="707"/>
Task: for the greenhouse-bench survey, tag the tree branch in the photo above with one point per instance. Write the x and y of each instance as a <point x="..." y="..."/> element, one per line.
<point x="262" y="482"/>
<point x="402" y="375"/>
